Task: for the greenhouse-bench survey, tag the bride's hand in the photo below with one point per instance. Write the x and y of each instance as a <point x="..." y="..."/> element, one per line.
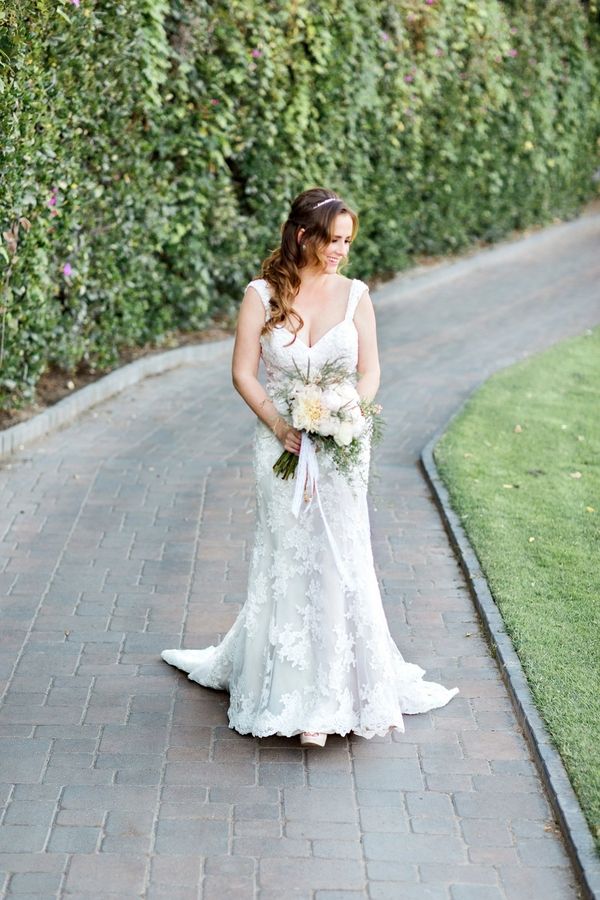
<point x="290" y="437"/>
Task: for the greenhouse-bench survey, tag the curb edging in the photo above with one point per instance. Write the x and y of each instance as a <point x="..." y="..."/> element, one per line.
<point x="574" y="828"/>
<point x="67" y="409"/>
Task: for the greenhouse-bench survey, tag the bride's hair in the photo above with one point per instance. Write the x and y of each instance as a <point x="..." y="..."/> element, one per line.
<point x="315" y="210"/>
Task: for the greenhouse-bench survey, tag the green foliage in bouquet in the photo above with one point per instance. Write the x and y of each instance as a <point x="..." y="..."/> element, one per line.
<point x="323" y="404"/>
<point x="150" y="150"/>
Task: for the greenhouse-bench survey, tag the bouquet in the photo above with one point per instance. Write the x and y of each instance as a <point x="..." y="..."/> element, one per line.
<point x="328" y="408"/>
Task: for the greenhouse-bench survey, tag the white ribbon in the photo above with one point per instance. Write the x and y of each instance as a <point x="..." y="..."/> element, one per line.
<point x="307" y="479"/>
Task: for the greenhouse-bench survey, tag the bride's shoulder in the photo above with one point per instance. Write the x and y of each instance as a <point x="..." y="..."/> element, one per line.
<point x="260" y="285"/>
<point x="359" y="287"/>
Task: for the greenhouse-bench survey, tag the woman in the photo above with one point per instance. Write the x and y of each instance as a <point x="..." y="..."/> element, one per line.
<point x="310" y="652"/>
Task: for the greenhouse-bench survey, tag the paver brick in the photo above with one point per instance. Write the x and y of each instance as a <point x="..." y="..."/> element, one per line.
<point x="381" y="891"/>
<point x="119" y="874"/>
<point x="393" y="774"/>
<point x="475" y="892"/>
<point x="384" y="818"/>
<point x="22" y="838"/>
<point x="74" y="839"/>
<point x="311" y="873"/>
<point x="187" y="835"/>
<point x="447" y="873"/>
<point x="319" y="804"/>
<point x="337" y="849"/>
<point x="392" y="871"/>
<point x="176" y="869"/>
<point x="434" y="825"/>
<point x="492" y="805"/>
<point x="414" y="848"/>
<point x="486" y="833"/>
<point x="29" y="812"/>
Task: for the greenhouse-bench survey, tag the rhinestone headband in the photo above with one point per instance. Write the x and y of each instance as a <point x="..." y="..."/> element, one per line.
<point x="329" y="200"/>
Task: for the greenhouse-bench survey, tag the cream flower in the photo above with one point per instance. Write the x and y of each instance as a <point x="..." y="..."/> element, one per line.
<point x="344" y="434"/>
<point x="310" y="413"/>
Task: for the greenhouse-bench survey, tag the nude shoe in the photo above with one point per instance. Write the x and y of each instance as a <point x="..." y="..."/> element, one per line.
<point x="313" y="738"/>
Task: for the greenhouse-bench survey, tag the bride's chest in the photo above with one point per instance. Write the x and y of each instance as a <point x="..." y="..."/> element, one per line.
<point x="279" y="348"/>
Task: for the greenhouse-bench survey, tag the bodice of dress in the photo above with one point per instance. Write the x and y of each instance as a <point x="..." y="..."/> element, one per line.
<point x="280" y="352"/>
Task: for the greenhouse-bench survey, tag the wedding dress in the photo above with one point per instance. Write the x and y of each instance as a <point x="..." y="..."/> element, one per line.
<point x="311" y="649"/>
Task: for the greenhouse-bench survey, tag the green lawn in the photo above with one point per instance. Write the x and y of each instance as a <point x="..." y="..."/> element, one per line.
<point x="522" y="465"/>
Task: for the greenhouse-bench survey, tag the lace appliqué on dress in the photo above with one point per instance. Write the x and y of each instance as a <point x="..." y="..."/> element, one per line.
<point x="306" y="653"/>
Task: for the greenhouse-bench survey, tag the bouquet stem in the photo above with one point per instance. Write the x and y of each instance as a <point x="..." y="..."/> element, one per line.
<point x="286" y="465"/>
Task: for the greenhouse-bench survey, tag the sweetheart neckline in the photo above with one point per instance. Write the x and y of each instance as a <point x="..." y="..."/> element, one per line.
<point x="312" y="346"/>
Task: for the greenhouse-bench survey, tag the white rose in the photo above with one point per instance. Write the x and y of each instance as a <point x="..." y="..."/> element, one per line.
<point x="347" y="392"/>
<point x="344" y="434"/>
<point x="332" y="399"/>
<point x="327" y="426"/>
<point x="296" y="388"/>
<point x="358" y="426"/>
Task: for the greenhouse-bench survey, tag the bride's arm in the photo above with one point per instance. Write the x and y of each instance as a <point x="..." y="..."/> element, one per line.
<point x="368" y="356"/>
<point x="244" y="369"/>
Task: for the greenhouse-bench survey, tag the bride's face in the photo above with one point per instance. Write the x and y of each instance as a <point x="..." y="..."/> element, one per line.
<point x="339" y="245"/>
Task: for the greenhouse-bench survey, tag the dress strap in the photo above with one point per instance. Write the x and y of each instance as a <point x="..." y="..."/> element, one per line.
<point x="262" y="289"/>
<point x="357" y="289"/>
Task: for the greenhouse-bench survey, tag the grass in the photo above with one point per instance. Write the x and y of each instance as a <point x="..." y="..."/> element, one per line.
<point x="522" y="465"/>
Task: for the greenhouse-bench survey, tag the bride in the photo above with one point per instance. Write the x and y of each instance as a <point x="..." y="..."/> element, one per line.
<point x="310" y="652"/>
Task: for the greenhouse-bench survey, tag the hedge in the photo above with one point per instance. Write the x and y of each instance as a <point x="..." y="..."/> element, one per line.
<point x="150" y="149"/>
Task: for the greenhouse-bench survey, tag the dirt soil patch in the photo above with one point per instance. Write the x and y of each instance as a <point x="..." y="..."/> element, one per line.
<point x="55" y="383"/>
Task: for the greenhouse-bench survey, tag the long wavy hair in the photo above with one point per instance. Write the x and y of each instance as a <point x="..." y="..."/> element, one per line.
<point x="282" y="267"/>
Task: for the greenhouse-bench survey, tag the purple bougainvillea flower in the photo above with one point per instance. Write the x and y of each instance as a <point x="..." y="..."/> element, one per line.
<point x="513" y="52"/>
<point x="67" y="269"/>
<point x="409" y="78"/>
<point x="75" y="2"/>
<point x="430" y="2"/>
<point x="52" y="200"/>
<point x="256" y="52"/>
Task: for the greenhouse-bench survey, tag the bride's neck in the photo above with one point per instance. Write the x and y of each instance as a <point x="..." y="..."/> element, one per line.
<point x="311" y="279"/>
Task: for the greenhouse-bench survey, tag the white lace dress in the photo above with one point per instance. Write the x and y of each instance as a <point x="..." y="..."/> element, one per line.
<point x="311" y="649"/>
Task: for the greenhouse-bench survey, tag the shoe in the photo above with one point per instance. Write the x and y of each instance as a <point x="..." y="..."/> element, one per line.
<point x="313" y="738"/>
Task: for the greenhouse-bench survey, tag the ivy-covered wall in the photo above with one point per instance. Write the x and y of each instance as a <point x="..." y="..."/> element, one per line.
<point x="150" y="148"/>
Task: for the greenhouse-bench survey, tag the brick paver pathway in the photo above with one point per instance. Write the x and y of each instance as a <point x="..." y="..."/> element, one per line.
<point x="131" y="529"/>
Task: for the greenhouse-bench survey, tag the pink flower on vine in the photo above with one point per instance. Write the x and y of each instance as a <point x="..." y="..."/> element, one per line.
<point x="439" y="51"/>
<point x="256" y="53"/>
<point x="385" y="36"/>
<point x="430" y="2"/>
<point x="409" y="78"/>
<point x="75" y="2"/>
<point x="214" y="101"/>
<point x="67" y="269"/>
<point x="512" y="52"/>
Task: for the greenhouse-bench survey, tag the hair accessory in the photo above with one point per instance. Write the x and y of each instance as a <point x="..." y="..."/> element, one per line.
<point x="329" y="200"/>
